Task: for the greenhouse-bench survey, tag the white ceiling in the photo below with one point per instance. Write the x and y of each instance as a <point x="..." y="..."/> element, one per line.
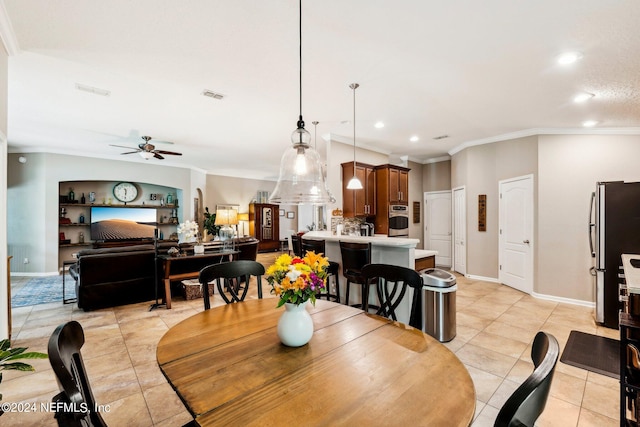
<point x="474" y="70"/>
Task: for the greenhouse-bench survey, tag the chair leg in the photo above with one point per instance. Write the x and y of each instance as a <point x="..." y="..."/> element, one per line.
<point x="347" y="292"/>
<point x="337" y="288"/>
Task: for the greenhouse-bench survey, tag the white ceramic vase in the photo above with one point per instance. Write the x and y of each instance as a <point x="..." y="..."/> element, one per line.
<point x="295" y="327"/>
<point x="198" y="249"/>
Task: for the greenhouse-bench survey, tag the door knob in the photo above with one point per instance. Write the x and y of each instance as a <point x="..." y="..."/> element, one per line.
<point x="526" y="242"/>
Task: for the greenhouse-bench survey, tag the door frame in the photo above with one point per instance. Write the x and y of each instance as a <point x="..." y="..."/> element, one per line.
<point x="530" y="259"/>
<point x="454" y="230"/>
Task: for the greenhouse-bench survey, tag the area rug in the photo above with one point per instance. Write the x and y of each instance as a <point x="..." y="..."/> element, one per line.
<point x="593" y="353"/>
<point x="42" y="290"/>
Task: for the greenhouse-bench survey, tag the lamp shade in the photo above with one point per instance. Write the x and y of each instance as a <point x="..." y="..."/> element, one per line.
<point x="226" y="217"/>
<point x="301" y="180"/>
<point x="243" y="217"/>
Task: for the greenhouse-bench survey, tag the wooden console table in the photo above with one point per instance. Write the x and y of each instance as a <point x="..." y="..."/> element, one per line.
<point x="169" y="261"/>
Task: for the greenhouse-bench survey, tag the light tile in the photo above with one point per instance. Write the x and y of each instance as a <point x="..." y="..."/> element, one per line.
<point x="602" y="400"/>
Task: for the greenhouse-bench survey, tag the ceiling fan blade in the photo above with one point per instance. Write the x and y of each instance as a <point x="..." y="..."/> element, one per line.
<point x="173" y="153"/>
<point x="131" y="152"/>
<point x="122" y="146"/>
<point x="158" y="156"/>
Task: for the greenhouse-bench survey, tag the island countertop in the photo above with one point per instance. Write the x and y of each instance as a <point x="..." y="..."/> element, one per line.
<point x="376" y="240"/>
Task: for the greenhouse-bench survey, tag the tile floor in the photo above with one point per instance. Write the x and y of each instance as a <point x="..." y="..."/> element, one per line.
<point x="495" y="327"/>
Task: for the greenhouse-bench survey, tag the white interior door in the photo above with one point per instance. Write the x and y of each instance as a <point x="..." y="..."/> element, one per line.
<point x="459" y="230"/>
<point x="516" y="233"/>
<point x="437" y="219"/>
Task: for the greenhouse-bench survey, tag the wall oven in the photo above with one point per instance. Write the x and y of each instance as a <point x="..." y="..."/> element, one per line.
<point x="398" y="221"/>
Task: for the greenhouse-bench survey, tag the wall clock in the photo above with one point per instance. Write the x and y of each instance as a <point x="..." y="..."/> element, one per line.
<point x="125" y="191"/>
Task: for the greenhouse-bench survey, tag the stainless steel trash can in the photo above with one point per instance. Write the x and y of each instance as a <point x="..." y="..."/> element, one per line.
<point x="439" y="296"/>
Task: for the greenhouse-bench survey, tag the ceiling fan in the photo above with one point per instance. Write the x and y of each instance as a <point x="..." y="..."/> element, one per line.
<point x="147" y="150"/>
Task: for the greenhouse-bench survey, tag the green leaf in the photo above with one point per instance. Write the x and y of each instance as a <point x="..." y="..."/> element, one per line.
<point x="5" y="344"/>
<point x="30" y="355"/>
<point x="17" y="366"/>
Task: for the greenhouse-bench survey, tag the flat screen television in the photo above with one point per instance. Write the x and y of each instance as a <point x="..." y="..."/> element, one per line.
<point x="109" y="223"/>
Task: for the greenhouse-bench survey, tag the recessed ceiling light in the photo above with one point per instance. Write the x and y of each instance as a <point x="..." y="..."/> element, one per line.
<point x="582" y="97"/>
<point x="589" y="123"/>
<point x="212" y="94"/>
<point x="93" y="90"/>
<point x="569" y="58"/>
<point x="379" y="125"/>
<point x="414" y="138"/>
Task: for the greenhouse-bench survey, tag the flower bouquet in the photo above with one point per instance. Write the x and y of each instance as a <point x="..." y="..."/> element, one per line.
<point x="188" y="231"/>
<point x="296" y="280"/>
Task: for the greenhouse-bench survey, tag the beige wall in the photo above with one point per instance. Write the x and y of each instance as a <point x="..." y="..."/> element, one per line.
<point x="569" y="167"/>
<point x="479" y="169"/>
<point x="436" y="176"/>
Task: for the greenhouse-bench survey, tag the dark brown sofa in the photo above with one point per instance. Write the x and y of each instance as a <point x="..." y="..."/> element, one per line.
<point x="124" y="275"/>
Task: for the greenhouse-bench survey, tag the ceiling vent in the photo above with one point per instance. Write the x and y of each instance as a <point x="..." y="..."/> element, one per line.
<point x="441" y="137"/>
<point x="93" y="90"/>
<point x="212" y="94"/>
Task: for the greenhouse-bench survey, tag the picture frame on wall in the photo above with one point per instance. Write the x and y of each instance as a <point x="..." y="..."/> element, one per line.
<point x="281" y="212"/>
<point x="291" y="215"/>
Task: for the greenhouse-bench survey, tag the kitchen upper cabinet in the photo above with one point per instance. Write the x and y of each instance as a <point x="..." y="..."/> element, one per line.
<point x="393" y="184"/>
<point x="359" y="202"/>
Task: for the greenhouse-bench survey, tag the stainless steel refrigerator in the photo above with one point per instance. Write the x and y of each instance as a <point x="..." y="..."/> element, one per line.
<point x="614" y="229"/>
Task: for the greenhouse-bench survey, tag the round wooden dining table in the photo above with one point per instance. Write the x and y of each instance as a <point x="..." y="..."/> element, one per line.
<point x="229" y="368"/>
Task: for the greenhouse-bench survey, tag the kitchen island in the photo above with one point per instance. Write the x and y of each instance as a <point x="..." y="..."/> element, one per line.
<point x="384" y="250"/>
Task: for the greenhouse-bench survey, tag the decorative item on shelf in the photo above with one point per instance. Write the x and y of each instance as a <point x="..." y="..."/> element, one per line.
<point x="72" y="195"/>
<point x="169" y="199"/>
<point x="81" y="219"/>
<point x="173" y="251"/>
<point x="92" y="197"/>
<point x="301" y="179"/>
<point x="188" y="232"/>
<point x="83" y="200"/>
<point x="63" y="212"/>
<point x="296" y="281"/>
<point x="81" y="237"/>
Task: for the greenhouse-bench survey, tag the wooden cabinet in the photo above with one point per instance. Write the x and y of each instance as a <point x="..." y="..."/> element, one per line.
<point x="359" y="202"/>
<point x="393" y="184"/>
<point x="264" y="225"/>
<point x="629" y="385"/>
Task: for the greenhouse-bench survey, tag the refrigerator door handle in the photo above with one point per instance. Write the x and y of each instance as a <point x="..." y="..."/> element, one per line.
<point x="592" y="224"/>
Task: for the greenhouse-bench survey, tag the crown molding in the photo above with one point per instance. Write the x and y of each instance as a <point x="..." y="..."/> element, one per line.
<point x="7" y="34"/>
<point x="546" y="131"/>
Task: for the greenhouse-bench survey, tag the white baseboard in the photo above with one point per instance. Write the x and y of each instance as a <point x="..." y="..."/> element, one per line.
<point x="484" y="279"/>
<point x="564" y="300"/>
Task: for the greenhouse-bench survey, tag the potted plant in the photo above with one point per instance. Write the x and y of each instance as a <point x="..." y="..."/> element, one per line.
<point x="8" y="357"/>
<point x="209" y="223"/>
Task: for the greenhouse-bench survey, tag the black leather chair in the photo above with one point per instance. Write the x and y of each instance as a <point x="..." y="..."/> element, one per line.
<point x="296" y="243"/>
<point x="79" y="405"/>
<point x="392" y="282"/>
<point x="354" y="257"/>
<point x="232" y="280"/>
<point x="528" y="401"/>
<point x="318" y="246"/>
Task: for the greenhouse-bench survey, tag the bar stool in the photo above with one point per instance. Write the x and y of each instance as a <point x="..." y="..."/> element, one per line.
<point x="354" y="257"/>
<point x="318" y="246"/>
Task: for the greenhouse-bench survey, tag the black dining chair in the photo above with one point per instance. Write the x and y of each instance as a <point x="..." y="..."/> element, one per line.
<point x="528" y="401"/>
<point x="391" y="283"/>
<point x="355" y="256"/>
<point x="77" y="405"/>
<point x="296" y="243"/>
<point x="319" y="247"/>
<point x="232" y="280"/>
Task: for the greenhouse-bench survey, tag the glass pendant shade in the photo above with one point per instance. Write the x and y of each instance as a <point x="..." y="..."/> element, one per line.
<point x="301" y="180"/>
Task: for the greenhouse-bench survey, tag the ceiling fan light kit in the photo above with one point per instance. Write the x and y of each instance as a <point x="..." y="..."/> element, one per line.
<point x="147" y="150"/>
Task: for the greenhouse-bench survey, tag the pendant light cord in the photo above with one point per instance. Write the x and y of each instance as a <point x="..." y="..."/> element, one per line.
<point x="300" y="121"/>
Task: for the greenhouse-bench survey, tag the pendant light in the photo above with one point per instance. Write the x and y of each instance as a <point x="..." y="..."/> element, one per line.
<point x="354" y="183"/>
<point x="301" y="180"/>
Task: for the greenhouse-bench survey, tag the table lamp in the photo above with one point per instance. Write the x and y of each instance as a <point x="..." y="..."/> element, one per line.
<point x="226" y="218"/>
<point x="244" y="217"/>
